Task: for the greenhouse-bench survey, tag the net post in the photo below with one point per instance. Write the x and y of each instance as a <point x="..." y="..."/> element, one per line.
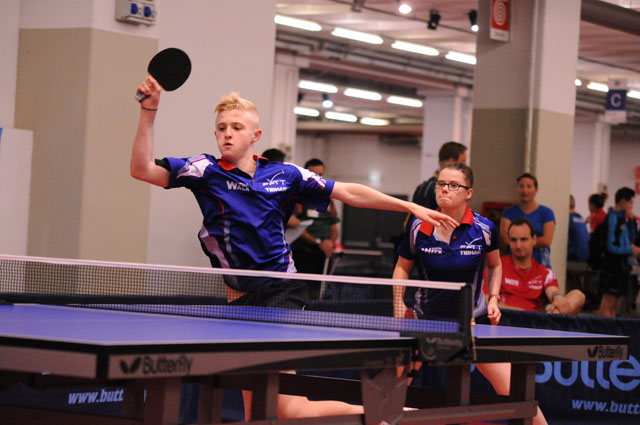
<point x="466" y="331"/>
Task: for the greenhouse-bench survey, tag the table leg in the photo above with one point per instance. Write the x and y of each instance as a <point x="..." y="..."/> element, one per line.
<point x="523" y="387"/>
<point x="264" y="401"/>
<point x="163" y="401"/>
<point x="209" y="401"/>
<point x="383" y="396"/>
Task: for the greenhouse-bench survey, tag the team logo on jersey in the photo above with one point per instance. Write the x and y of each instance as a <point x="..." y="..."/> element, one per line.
<point x="509" y="281"/>
<point x="231" y="185"/>
<point x="470" y="249"/>
<point x="275" y="184"/>
<point x="432" y="250"/>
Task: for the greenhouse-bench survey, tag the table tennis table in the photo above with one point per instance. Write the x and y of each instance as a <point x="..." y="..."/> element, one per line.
<point x="53" y="345"/>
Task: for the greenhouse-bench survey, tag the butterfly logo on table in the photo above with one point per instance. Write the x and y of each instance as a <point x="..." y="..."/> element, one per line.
<point x="133" y="367"/>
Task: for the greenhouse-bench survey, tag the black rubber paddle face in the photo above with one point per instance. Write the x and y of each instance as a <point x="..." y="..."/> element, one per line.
<point x="170" y="67"/>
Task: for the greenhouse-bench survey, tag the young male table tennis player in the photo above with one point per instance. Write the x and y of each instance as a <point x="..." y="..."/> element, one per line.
<point x="246" y="202"/>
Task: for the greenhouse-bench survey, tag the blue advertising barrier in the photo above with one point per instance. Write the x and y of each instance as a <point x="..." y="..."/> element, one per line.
<point x="593" y="392"/>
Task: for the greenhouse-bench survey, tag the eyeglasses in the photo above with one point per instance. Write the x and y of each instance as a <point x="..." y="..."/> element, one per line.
<point x="454" y="187"/>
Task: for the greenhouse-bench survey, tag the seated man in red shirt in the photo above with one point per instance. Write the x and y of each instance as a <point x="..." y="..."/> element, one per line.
<point x="526" y="284"/>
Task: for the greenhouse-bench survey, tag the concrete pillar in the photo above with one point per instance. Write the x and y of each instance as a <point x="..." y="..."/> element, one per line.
<point x="285" y="86"/>
<point x="590" y="166"/>
<point x="446" y="117"/>
<point x="524" y="102"/>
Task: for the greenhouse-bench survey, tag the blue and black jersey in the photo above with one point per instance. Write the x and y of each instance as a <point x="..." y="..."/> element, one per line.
<point x="244" y="217"/>
<point x="462" y="259"/>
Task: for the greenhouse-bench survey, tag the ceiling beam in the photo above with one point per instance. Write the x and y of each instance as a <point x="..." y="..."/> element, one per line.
<point x="610" y="16"/>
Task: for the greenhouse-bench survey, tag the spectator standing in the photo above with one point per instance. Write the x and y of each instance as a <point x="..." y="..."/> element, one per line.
<point x="425" y="193"/>
<point x="596" y="210"/>
<point x="578" y="244"/>
<point x="621" y="245"/>
<point x="316" y="243"/>
<point x="542" y="217"/>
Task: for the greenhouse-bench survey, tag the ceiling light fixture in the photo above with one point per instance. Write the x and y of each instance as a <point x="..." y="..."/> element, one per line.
<point x="357" y="5"/>
<point x="340" y="116"/>
<point x="321" y="87"/>
<point x="598" y="86"/>
<point x="356" y="35"/>
<point x="307" y="112"/>
<point x="578" y="82"/>
<point x="326" y="102"/>
<point x="473" y="20"/>
<point x="362" y="94"/>
<point x="373" y="121"/>
<point x="461" y="57"/>
<point x="434" y="19"/>
<point x="405" y="101"/>
<point x="415" y="48"/>
<point x="297" y="23"/>
<point x="404" y="7"/>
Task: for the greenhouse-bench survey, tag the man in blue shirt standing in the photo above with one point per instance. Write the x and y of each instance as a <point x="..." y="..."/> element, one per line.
<point x="578" y="247"/>
<point x="621" y="245"/>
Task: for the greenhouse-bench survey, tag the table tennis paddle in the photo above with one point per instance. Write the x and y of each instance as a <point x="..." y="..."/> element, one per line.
<point x="170" y="67"/>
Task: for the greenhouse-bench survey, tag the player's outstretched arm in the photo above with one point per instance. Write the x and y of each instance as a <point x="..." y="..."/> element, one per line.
<point x="142" y="164"/>
<point x="359" y="195"/>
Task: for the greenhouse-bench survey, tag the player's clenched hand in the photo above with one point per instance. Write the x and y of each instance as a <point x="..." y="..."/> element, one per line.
<point x="434" y="217"/>
<point x="151" y="88"/>
<point x="493" y="311"/>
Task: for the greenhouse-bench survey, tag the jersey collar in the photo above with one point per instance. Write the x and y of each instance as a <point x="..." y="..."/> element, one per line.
<point x="226" y="165"/>
<point x="467" y="218"/>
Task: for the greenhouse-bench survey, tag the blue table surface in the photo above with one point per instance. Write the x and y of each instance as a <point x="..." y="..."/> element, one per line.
<point x="108" y="327"/>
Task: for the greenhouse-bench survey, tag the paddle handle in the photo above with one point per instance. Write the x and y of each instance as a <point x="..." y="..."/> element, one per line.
<point x="141" y="96"/>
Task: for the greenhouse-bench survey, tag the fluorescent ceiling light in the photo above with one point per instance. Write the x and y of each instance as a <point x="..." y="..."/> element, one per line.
<point x="297" y="23"/>
<point x="578" y="82"/>
<point x="362" y="94"/>
<point x="598" y="86"/>
<point x="307" y="112"/>
<point x="404" y="7"/>
<point x="405" y="101"/>
<point x="461" y="57"/>
<point x="312" y="85"/>
<point x="415" y="48"/>
<point x="340" y="116"/>
<point x="373" y="121"/>
<point x="357" y="35"/>
<point x="634" y="94"/>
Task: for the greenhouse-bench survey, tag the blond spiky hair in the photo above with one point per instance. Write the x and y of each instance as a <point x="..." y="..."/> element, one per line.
<point x="233" y="101"/>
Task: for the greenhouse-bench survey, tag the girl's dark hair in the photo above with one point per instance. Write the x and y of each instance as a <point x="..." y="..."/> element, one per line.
<point x="465" y="169"/>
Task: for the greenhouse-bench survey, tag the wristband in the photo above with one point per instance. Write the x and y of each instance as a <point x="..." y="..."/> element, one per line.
<point x="496" y="296"/>
<point x="148" y="109"/>
<point x="553" y="297"/>
<point x="318" y="241"/>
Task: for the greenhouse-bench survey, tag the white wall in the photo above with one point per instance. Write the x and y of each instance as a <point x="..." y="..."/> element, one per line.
<point x="363" y="159"/>
<point x="15" y="181"/>
<point x="582" y="174"/>
<point x="9" y="33"/>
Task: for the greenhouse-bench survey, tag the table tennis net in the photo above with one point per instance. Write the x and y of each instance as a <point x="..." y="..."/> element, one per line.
<point x="305" y="299"/>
